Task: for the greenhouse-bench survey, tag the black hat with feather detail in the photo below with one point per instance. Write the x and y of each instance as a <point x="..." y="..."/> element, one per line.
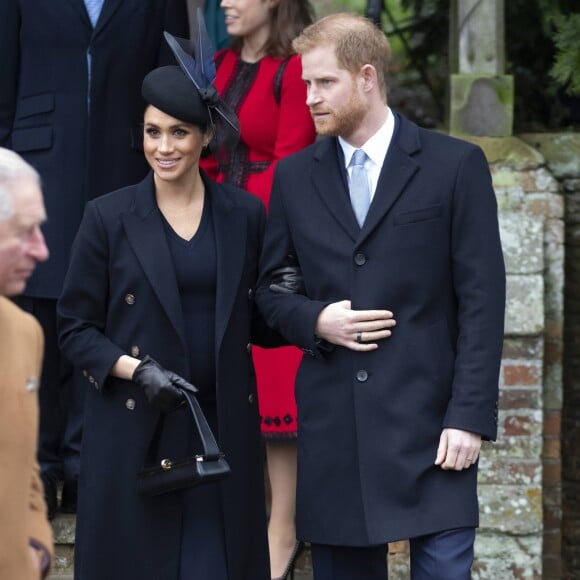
<point x="187" y="92"/>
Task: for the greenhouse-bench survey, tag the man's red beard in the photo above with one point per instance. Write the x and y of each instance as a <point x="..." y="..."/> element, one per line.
<point x="343" y="121"/>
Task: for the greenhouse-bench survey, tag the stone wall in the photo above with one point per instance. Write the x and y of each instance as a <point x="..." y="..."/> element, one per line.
<point x="562" y="154"/>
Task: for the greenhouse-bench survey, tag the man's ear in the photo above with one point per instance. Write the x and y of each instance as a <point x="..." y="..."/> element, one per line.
<point x="368" y="77"/>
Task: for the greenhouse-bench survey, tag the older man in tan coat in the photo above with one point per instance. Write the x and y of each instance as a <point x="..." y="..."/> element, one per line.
<point x="25" y="534"/>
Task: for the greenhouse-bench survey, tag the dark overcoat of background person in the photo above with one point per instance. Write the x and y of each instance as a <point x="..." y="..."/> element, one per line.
<point x="81" y="133"/>
<point x="70" y="105"/>
<point x="370" y="422"/>
<point x="121" y="297"/>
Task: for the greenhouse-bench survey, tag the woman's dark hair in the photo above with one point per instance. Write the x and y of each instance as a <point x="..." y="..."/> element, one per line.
<point x="289" y="19"/>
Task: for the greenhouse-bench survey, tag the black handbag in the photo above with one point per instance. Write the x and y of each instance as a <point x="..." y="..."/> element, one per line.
<point x="167" y="475"/>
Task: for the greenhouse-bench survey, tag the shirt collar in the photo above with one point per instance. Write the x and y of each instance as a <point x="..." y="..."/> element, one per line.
<point x="376" y="147"/>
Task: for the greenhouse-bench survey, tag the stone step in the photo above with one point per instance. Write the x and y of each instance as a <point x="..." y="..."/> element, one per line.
<point x="63" y="527"/>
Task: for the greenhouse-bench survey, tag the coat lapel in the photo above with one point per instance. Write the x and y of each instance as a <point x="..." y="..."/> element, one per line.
<point x="145" y="233"/>
<point x="80" y="8"/>
<point x="146" y="236"/>
<point x="398" y="168"/>
<point x="329" y="179"/>
<point x="231" y="228"/>
<point x="109" y="8"/>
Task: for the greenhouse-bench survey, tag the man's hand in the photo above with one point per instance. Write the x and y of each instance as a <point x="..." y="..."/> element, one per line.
<point x="355" y="329"/>
<point x="457" y="449"/>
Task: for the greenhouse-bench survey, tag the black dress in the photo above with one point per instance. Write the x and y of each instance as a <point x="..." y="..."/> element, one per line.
<point x="203" y="553"/>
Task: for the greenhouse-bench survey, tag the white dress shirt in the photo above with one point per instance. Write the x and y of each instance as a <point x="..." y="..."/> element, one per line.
<point x="376" y="149"/>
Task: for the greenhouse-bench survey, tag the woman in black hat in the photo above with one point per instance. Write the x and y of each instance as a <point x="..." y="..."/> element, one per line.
<point x="160" y="282"/>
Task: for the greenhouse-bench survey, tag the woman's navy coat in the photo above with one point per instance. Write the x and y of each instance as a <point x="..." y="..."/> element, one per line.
<point x="120" y="297"/>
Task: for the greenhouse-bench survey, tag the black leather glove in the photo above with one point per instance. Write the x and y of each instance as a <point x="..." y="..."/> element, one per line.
<point x="288" y="278"/>
<point x="162" y="387"/>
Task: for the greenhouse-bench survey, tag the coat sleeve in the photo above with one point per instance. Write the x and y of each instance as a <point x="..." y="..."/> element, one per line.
<point x="479" y="283"/>
<point x="39" y="530"/>
<point x="10" y="51"/>
<point x="262" y="334"/>
<point x="83" y="304"/>
<point x="294" y="316"/>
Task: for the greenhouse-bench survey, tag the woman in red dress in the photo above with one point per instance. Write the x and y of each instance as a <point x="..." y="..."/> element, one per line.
<point x="260" y="78"/>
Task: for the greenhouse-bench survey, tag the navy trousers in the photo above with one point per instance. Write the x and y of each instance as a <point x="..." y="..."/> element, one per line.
<point x="445" y="555"/>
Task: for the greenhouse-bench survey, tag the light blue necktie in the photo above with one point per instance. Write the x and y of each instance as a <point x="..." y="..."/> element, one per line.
<point x="94" y="10"/>
<point x="360" y="193"/>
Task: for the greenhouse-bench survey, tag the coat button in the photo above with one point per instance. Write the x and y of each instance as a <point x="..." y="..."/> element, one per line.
<point x="360" y="259"/>
<point x="135" y="351"/>
<point x="362" y="376"/>
<point x="85" y="373"/>
<point x="250" y="293"/>
<point x="251" y="398"/>
<point x="249" y="347"/>
<point x="130" y="299"/>
<point x="130" y="404"/>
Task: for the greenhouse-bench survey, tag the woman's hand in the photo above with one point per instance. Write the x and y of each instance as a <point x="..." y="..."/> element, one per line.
<point x="163" y="388"/>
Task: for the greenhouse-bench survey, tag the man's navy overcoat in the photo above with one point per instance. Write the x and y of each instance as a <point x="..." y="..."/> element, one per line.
<point x="429" y="251"/>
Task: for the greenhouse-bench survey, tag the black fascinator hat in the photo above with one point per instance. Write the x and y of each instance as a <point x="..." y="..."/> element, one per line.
<point x="168" y="89"/>
<point x="186" y="92"/>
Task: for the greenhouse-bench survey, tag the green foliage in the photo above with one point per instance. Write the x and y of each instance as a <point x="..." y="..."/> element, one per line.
<point x="531" y="45"/>
<point x="566" y="69"/>
<point x="542" y="44"/>
<point x="418" y="31"/>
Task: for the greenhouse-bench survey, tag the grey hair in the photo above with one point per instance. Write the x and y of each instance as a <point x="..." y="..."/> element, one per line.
<point x="13" y="169"/>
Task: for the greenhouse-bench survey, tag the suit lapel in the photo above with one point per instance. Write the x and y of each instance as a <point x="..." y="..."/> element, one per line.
<point x="329" y="179"/>
<point x="231" y="228"/>
<point x="145" y="233"/>
<point x="398" y="168"/>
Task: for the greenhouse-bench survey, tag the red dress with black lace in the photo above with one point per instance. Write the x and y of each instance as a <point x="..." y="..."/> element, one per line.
<point x="269" y="98"/>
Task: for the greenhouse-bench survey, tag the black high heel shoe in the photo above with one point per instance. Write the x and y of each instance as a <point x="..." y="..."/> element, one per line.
<point x="288" y="573"/>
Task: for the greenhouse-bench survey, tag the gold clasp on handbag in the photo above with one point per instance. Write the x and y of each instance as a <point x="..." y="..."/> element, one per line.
<point x="166" y="464"/>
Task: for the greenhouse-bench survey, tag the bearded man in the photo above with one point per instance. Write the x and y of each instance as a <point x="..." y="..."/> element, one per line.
<point x="387" y="222"/>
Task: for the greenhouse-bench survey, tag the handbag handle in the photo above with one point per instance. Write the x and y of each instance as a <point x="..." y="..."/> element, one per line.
<point x="210" y="447"/>
<point x="208" y="442"/>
